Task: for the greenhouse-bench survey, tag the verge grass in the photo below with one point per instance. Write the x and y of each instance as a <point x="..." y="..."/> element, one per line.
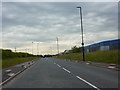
<point x="14" y="61"/>
<point x="100" y="56"/>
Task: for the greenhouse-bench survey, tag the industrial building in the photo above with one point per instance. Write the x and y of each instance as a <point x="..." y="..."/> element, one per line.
<point x="103" y="46"/>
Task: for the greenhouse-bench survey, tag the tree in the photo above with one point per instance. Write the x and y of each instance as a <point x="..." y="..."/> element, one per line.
<point x="76" y="49"/>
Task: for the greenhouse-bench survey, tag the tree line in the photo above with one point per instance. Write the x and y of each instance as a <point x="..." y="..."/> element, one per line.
<point x="9" y="54"/>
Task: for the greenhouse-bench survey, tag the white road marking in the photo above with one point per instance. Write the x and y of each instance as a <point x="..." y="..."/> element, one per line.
<point x="87" y="63"/>
<point x="9" y="70"/>
<point x="112" y="67"/>
<point x="79" y="77"/>
<point x="67" y="70"/>
<point x="58" y="65"/>
<point x="88" y="83"/>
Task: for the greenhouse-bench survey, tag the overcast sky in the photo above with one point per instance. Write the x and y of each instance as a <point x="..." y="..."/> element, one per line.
<point x="25" y="22"/>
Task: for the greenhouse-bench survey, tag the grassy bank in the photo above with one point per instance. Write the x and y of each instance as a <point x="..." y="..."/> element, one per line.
<point x="14" y="61"/>
<point x="101" y="56"/>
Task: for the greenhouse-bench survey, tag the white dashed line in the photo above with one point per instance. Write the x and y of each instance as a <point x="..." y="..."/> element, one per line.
<point x="79" y="77"/>
<point x="88" y="83"/>
<point x="58" y="65"/>
<point x="67" y="70"/>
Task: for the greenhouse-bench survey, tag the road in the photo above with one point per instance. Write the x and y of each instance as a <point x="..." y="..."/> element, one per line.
<point x="56" y="73"/>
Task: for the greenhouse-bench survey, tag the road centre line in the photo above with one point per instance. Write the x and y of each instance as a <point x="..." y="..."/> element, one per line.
<point x="58" y="65"/>
<point x="88" y="83"/>
<point x="67" y="70"/>
<point x="79" y="78"/>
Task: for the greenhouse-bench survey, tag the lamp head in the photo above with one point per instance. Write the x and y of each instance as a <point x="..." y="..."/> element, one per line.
<point x="78" y="7"/>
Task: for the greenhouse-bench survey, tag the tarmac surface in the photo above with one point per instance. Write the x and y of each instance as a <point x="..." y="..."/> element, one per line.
<point x="57" y="73"/>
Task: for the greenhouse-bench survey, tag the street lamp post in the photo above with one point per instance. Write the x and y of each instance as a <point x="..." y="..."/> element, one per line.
<point x="57" y="46"/>
<point x="82" y="33"/>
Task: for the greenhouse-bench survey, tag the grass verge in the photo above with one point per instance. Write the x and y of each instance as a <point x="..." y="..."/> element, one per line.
<point x="100" y="56"/>
<point x="14" y="61"/>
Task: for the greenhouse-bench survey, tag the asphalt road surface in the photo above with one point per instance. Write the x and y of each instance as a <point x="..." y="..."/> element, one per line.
<point x="56" y="73"/>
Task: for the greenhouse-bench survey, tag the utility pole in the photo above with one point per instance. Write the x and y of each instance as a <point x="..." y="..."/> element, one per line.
<point x="15" y="49"/>
<point x="37" y="48"/>
<point x="50" y="49"/>
<point x="26" y="52"/>
<point x="32" y="47"/>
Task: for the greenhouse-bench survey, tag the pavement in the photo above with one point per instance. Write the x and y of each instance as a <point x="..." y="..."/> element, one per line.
<point x="57" y="73"/>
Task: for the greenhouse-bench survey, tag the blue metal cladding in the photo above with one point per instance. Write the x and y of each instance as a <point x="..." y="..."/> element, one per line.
<point x="113" y="45"/>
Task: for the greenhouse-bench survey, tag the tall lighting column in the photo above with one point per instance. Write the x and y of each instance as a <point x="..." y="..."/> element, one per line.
<point x="82" y="32"/>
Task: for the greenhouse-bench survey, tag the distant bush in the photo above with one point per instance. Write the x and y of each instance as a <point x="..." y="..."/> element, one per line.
<point x="48" y="55"/>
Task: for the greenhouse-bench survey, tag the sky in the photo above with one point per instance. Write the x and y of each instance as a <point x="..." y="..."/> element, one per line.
<point x="41" y="22"/>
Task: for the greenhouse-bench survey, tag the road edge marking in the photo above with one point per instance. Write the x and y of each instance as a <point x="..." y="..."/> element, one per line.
<point x="9" y="78"/>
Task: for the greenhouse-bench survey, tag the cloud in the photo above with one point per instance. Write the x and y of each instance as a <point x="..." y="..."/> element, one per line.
<point x="26" y="22"/>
